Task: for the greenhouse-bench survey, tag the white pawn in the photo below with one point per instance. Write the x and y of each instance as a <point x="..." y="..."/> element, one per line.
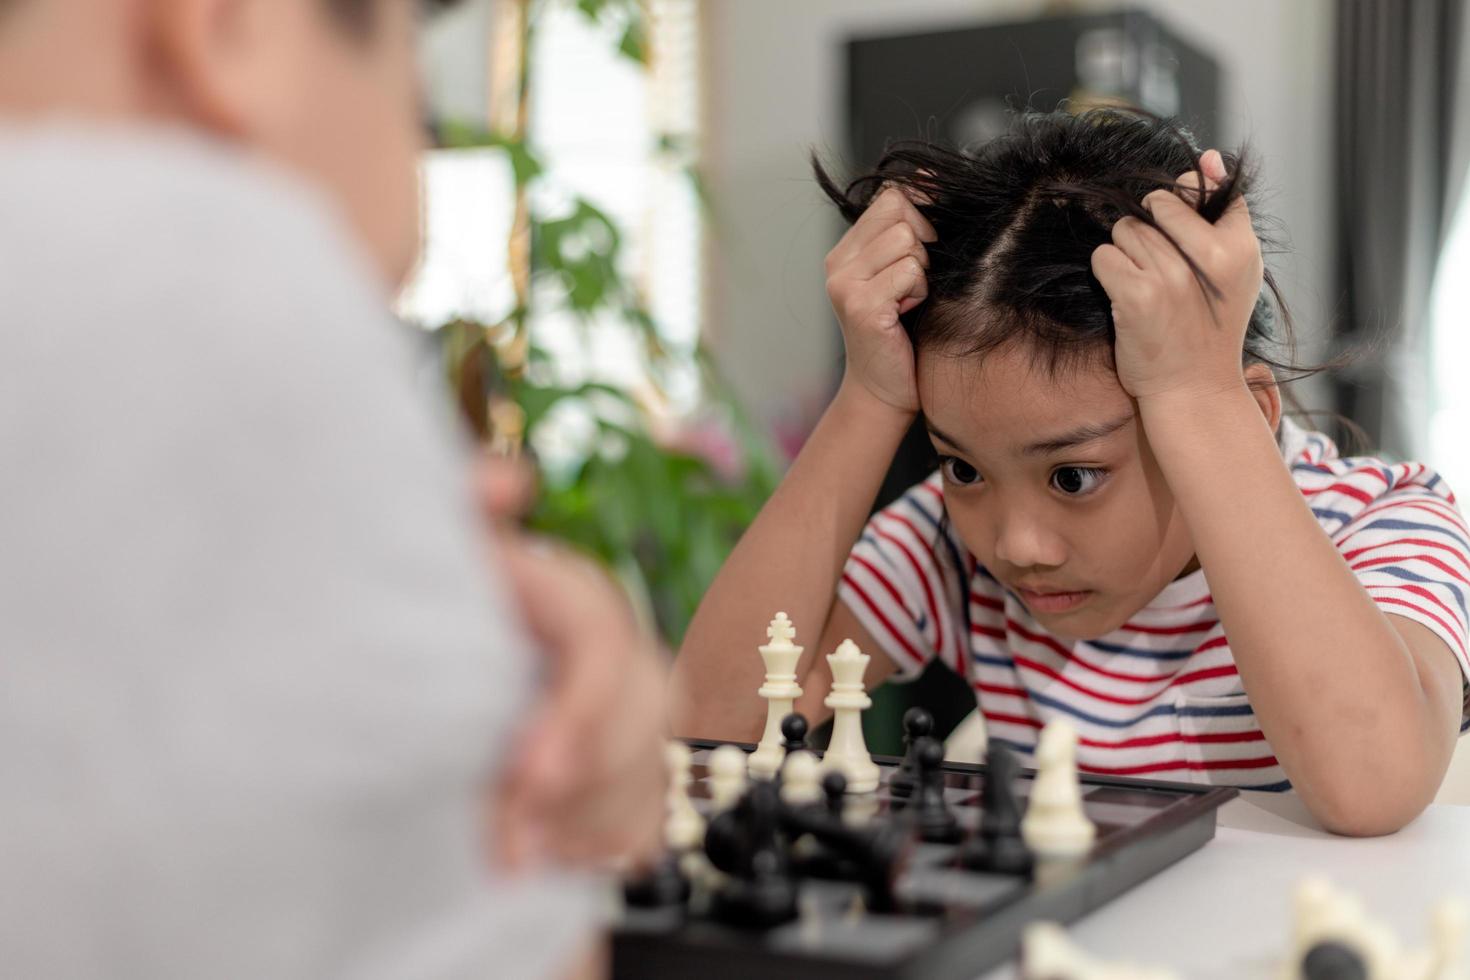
<point x="1047" y="953"/>
<point x="683" y="826"/>
<point x="780" y="691"/>
<point x="1055" y="828"/>
<point x="1451" y="925"/>
<point x="801" y="778"/>
<point x="847" y="753"/>
<point x="726" y="776"/>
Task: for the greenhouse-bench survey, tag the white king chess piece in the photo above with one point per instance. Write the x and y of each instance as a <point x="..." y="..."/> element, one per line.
<point x="848" y="753"/>
<point x="780" y="691"/>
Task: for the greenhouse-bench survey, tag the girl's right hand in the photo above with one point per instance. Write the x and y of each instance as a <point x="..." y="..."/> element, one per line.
<point x="875" y="274"/>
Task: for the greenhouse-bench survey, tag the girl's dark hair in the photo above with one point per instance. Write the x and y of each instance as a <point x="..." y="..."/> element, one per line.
<point x="1019" y="216"/>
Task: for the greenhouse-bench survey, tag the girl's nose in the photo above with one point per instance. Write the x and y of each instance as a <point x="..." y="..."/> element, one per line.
<point x="1024" y="542"/>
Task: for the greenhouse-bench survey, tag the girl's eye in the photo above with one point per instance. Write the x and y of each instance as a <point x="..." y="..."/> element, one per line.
<point x="1077" y="481"/>
<point x="958" y="472"/>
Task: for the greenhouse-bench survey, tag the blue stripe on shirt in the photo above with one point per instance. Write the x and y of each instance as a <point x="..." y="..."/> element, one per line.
<point x="1135" y="652"/>
<point x="1394" y="524"/>
<point x="1071" y="709"/>
<point x="1409" y="576"/>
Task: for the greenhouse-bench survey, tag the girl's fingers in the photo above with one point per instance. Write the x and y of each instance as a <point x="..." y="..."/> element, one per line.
<point x="898" y="241"/>
<point x="1213" y="164"/>
<point x="882" y="298"/>
<point x="1114" y="269"/>
<point x="889" y="208"/>
<point x="1193" y="233"/>
<point x="1128" y="237"/>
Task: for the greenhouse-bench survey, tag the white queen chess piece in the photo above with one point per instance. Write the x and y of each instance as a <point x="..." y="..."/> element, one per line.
<point x="1055" y="828"/>
<point x="780" y="691"/>
<point x="847" y="753"/>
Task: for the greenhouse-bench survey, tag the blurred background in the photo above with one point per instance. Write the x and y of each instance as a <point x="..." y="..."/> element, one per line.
<point x="623" y="263"/>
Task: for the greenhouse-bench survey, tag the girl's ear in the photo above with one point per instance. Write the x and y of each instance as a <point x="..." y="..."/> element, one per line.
<point x="1262" y="383"/>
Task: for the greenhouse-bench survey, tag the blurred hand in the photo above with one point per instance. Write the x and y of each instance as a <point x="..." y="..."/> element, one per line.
<point x="875" y="274"/>
<point x="585" y="781"/>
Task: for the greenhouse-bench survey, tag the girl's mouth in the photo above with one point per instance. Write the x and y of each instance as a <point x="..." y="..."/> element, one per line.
<point x="1052" y="602"/>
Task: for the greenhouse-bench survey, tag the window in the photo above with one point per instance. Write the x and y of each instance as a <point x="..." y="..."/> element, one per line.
<point x="1449" y="426"/>
<point x="608" y="130"/>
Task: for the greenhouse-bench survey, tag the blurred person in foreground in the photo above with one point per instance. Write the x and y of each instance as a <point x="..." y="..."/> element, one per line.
<point x="285" y="694"/>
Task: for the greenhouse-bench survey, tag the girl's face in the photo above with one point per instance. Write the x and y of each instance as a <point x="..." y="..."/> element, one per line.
<point x="1050" y="483"/>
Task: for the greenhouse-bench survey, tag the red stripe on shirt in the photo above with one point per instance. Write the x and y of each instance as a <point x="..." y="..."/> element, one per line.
<point x="1419" y="590"/>
<point x="1423" y="612"/>
<point x="1212" y="643"/>
<point x="1209" y="672"/>
<point x="1263" y="762"/>
<point x="902" y="641"/>
<point x="930" y="550"/>
<point x="1172" y="630"/>
<point x="1402" y="542"/>
<point x="1345" y="489"/>
<point x="1073" y="656"/>
<point x="986" y="601"/>
<point x="1011" y="692"/>
<point x="1430" y="559"/>
<point x="923" y="581"/>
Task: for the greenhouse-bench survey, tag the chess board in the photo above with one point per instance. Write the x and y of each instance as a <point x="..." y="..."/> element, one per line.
<point x="952" y="922"/>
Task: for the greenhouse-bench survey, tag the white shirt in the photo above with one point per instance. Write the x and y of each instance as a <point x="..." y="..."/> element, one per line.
<point x="253" y="671"/>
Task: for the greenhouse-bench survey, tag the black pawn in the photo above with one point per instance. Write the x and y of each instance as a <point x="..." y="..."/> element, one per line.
<point x="937" y="822"/>
<point x="1333" y="961"/>
<point x="834" y="788"/>
<point x="765" y="896"/>
<point x="664" y="886"/>
<point x="998" y="846"/>
<point x="793" y="729"/>
<point x="917" y="723"/>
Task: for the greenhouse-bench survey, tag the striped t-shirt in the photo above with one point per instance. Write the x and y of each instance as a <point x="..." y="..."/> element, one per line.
<point x="1159" y="697"/>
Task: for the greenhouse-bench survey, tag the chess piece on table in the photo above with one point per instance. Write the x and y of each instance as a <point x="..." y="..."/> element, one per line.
<point x="684" y="828"/>
<point x="1449" y="929"/>
<point x="998" y="846"/>
<point x="1055" y="828"/>
<point x="780" y="691"/>
<point x="801" y="778"/>
<point x="917" y="723"/>
<point x="936" y="820"/>
<point x="1333" y="938"/>
<point x="834" y="790"/>
<point x="667" y="882"/>
<point x="794" y="730"/>
<point x="762" y="894"/>
<point x="727" y="779"/>
<point x="1047" y="953"/>
<point x="847" y="752"/>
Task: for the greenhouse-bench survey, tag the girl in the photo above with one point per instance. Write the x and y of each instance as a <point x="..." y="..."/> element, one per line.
<point x="1123" y="530"/>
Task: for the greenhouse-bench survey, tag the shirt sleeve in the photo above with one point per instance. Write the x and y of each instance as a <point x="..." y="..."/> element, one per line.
<point x="1411" y="551"/>
<point x="906" y="579"/>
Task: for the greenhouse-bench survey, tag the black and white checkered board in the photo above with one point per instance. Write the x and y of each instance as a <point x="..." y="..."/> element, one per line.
<point x="956" y="923"/>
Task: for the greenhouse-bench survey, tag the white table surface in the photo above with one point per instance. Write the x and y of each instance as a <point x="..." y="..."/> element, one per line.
<point x="1225" y="911"/>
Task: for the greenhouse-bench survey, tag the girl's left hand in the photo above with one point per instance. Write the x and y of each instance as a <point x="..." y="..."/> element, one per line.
<point x="1170" y="335"/>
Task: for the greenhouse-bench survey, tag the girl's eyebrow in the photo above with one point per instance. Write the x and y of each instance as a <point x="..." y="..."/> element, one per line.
<point x="1078" y="436"/>
<point x="944" y="438"/>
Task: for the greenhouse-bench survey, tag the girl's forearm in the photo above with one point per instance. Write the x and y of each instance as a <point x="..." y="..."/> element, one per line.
<point x="1332" y="683"/>
<point x="790" y="559"/>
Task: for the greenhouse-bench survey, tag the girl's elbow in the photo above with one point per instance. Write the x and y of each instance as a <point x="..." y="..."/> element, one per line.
<point x="1358" y="809"/>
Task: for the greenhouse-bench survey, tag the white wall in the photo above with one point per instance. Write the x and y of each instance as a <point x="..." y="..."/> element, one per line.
<point x="774" y="88"/>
